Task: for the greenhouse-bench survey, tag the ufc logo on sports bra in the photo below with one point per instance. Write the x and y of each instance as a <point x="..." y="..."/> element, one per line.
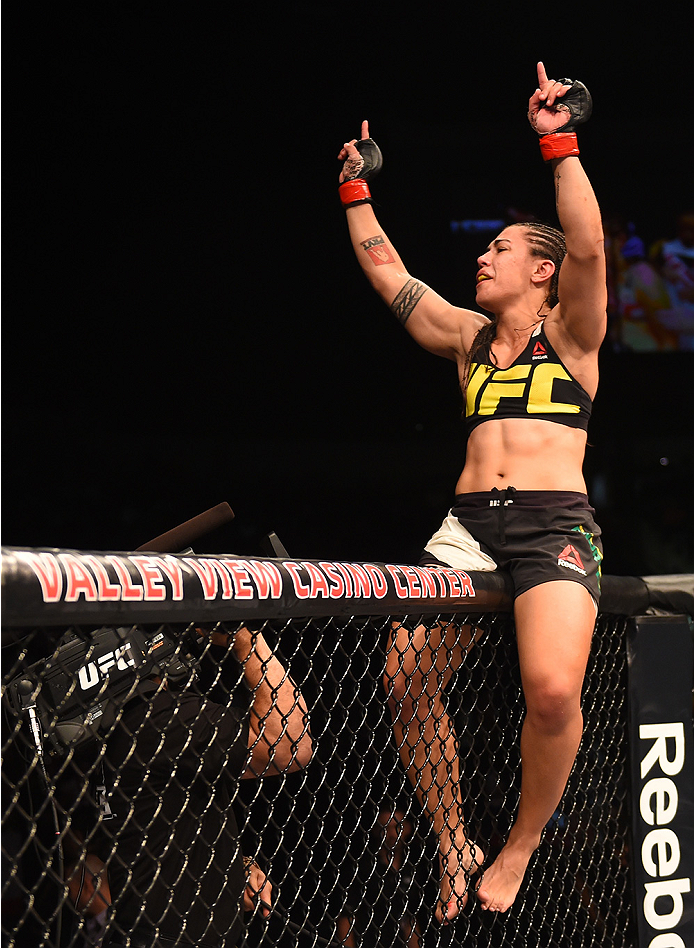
<point x="535" y="382"/>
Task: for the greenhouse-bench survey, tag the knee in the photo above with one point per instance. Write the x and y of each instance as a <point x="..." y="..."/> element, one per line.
<point x="552" y="706"/>
<point x="397" y="678"/>
<point x="402" y="679"/>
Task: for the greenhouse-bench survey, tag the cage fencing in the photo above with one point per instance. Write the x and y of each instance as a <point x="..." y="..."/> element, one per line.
<point x="128" y="692"/>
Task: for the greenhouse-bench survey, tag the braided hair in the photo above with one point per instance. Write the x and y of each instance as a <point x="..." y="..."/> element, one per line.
<point x="546" y="242"/>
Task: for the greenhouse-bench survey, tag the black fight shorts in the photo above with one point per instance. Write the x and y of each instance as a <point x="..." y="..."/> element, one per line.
<point x="536" y="536"/>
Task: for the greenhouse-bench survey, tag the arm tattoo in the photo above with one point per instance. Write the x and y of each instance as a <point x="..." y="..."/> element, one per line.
<point x="378" y="250"/>
<point x="407" y="299"/>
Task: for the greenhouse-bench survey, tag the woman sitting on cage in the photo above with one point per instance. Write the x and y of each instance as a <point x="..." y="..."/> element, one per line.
<point x="529" y="373"/>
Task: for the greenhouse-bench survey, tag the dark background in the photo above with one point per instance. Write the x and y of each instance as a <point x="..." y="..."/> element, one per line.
<point x="185" y="322"/>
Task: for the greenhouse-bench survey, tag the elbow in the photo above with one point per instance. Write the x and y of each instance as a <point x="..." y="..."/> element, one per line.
<point x="590" y="249"/>
<point x="301" y="747"/>
<point x="303" y="752"/>
<point x="294" y="750"/>
<point x="389" y="283"/>
<point x="298" y="736"/>
<point x="284" y="754"/>
<point x="293" y="757"/>
<point x="596" y="248"/>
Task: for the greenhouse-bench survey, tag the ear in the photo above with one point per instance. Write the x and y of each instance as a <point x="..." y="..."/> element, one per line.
<point x="543" y="271"/>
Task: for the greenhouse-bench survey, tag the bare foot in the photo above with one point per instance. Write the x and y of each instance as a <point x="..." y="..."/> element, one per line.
<point x="457" y="866"/>
<point x="501" y="882"/>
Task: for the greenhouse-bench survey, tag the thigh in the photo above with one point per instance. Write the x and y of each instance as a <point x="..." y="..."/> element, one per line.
<point x="554" y="629"/>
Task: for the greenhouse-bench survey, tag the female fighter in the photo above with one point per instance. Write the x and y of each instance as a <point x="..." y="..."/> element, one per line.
<point x="529" y="372"/>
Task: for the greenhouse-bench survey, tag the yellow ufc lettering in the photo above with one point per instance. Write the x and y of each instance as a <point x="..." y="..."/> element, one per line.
<point x="540" y="395"/>
<point x="478" y="376"/>
<point x="504" y="384"/>
<point x="494" y="384"/>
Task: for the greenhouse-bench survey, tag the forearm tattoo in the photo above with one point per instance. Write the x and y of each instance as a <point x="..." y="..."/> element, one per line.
<point x="407" y="299"/>
<point x="378" y="250"/>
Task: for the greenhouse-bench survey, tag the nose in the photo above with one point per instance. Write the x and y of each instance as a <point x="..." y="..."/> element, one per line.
<point x="483" y="259"/>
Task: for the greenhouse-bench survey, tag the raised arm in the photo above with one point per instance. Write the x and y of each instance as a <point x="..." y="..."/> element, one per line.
<point x="434" y="323"/>
<point x="554" y="110"/>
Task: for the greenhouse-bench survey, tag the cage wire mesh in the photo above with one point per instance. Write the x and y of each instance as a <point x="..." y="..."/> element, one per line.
<point x="351" y="856"/>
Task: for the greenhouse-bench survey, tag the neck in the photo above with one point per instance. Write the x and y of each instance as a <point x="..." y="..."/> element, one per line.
<point x="517" y="328"/>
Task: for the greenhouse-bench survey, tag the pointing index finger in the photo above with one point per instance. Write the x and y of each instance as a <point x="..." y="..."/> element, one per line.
<point x="364" y="129"/>
<point x="541" y="75"/>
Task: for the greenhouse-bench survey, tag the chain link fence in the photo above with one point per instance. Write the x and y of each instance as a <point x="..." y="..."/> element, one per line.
<point x="119" y="790"/>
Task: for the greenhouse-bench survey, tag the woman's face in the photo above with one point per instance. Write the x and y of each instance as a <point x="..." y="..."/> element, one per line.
<point x="505" y="270"/>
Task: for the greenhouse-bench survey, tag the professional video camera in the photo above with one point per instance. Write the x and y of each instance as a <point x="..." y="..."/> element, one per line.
<point x="77" y="692"/>
<point x="74" y="696"/>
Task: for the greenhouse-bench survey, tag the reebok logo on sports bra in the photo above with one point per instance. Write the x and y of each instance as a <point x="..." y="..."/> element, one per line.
<point x="537" y="385"/>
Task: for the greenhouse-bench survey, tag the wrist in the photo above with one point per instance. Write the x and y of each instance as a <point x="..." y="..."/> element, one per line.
<point x="558" y="145"/>
<point x="354" y="192"/>
<point x="246" y="644"/>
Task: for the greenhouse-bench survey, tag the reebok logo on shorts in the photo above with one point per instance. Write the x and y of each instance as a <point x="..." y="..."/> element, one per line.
<point x="570" y="558"/>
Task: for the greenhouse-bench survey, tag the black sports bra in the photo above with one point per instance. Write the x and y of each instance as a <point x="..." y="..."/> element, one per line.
<point x="537" y="385"/>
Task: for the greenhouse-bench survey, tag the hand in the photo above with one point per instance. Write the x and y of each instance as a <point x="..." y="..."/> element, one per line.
<point x="545" y="112"/>
<point x="353" y="161"/>
<point x="213" y="636"/>
<point x="258" y="888"/>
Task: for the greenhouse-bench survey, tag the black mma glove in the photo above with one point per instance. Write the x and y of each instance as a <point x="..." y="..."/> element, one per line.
<point x="357" y="171"/>
<point x="578" y="102"/>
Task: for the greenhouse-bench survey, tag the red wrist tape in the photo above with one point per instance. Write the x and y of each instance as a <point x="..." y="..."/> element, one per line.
<point x="354" y="192"/>
<point x="559" y="145"/>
